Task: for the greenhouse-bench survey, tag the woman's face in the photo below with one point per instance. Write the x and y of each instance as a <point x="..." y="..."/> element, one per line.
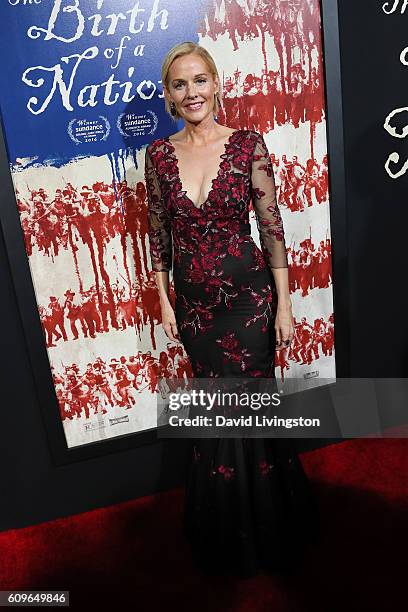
<point x="191" y="87"/>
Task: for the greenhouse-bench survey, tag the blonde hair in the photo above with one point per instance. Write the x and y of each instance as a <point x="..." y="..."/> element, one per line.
<point x="186" y="48"/>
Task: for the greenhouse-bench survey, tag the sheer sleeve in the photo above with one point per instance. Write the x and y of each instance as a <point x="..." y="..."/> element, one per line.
<point x="158" y="220"/>
<point x="268" y="217"/>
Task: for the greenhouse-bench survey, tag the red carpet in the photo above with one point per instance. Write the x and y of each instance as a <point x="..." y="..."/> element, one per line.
<point x="132" y="555"/>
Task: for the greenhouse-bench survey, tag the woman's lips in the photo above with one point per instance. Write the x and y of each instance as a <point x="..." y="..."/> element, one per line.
<point x="195" y="106"/>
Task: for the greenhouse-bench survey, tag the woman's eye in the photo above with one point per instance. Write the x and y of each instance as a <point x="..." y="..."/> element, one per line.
<point x="178" y="85"/>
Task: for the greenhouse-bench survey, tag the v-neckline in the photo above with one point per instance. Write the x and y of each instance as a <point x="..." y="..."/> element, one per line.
<point x="222" y="156"/>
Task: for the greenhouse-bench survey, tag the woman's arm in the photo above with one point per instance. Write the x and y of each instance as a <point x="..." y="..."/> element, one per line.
<point x="163" y="286"/>
<point x="272" y="238"/>
<point x="160" y="243"/>
<point x="167" y="312"/>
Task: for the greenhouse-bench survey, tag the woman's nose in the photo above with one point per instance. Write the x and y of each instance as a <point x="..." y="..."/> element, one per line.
<point x="191" y="90"/>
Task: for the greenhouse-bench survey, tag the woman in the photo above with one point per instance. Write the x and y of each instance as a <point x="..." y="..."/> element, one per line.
<point x="248" y="501"/>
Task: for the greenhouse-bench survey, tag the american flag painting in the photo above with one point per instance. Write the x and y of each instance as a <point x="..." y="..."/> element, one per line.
<point x="80" y="102"/>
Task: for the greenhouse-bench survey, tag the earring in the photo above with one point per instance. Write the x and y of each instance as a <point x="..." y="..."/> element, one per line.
<point x="173" y="109"/>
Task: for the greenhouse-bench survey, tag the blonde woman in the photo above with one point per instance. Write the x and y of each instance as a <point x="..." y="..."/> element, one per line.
<point x="247" y="500"/>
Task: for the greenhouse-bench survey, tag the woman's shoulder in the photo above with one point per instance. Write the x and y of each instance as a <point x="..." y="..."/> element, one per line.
<point x="252" y="137"/>
<point x="156" y="143"/>
<point x="251" y="134"/>
<point x="255" y="135"/>
<point x="258" y="141"/>
<point x="164" y="140"/>
<point x="155" y="148"/>
<point x="250" y="140"/>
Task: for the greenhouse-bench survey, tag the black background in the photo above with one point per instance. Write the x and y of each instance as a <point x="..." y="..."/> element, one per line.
<point x="374" y="83"/>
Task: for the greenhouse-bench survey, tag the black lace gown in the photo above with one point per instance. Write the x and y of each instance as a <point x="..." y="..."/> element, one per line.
<point x="248" y="503"/>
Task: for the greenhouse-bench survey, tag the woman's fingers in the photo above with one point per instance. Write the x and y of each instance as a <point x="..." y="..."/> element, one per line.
<point x="175" y="333"/>
<point x="284" y="336"/>
<point x="171" y="331"/>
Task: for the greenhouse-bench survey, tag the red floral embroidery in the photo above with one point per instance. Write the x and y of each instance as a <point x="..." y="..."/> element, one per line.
<point x="218" y="269"/>
<point x="233" y="351"/>
<point x="228" y="472"/>
<point x="265" y="467"/>
<point x="263" y="302"/>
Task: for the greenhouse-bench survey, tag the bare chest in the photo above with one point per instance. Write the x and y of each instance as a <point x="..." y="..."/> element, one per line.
<point x="198" y="168"/>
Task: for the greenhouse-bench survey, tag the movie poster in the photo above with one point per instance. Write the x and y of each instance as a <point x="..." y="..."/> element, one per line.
<point x="81" y="98"/>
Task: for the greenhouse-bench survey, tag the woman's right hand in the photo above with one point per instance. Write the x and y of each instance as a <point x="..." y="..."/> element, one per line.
<point x="169" y="322"/>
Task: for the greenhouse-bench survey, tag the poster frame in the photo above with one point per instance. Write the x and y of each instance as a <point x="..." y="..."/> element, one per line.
<point x="19" y="268"/>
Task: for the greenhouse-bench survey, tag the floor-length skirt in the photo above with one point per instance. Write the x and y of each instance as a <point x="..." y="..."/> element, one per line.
<point x="248" y="502"/>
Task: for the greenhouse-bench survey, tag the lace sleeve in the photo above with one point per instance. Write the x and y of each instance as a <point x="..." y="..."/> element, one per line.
<point x="268" y="217"/>
<point x="159" y="223"/>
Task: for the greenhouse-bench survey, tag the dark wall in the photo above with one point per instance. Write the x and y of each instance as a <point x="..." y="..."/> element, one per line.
<point x="33" y="489"/>
<point x="374" y="83"/>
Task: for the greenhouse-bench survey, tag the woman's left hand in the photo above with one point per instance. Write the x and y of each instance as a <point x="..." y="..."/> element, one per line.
<point x="284" y="325"/>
